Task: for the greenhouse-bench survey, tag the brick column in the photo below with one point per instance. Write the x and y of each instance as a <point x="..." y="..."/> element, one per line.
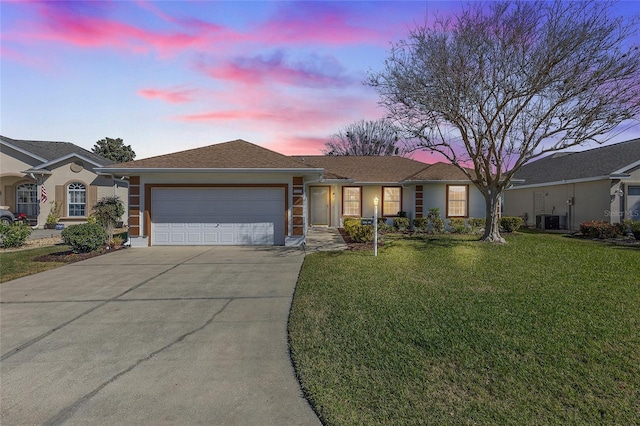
<point x="419" y="201"/>
<point x="298" y="209"/>
<point x="134" y="206"/>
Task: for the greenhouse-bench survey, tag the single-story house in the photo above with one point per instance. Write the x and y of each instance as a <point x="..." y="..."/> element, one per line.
<point x="565" y="189"/>
<point x="35" y="175"/>
<point x="240" y="193"/>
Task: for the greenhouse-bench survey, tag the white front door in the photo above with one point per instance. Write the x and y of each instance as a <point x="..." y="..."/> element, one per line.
<point x="217" y="216"/>
<point x="320" y="205"/>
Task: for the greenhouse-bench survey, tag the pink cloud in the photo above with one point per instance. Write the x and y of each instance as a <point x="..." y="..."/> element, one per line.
<point x="171" y="96"/>
<point x="88" y="25"/>
<point x="314" y="71"/>
<point x="297" y="145"/>
<point x="321" y="22"/>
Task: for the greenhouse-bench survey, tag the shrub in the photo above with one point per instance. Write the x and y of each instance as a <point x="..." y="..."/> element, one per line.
<point x="457" y="225"/>
<point x="108" y="212"/>
<point x="401" y="223"/>
<point x="85" y="237"/>
<point x="510" y="223"/>
<point x="14" y="235"/>
<point x="421" y="223"/>
<point x="476" y="223"/>
<point x="601" y="229"/>
<point x="360" y="233"/>
<point x="437" y="224"/>
<point x="55" y="213"/>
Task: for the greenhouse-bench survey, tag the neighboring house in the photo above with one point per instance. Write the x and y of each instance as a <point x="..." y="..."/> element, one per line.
<point x="34" y="175"/>
<point x="567" y="188"/>
<point x="240" y="193"/>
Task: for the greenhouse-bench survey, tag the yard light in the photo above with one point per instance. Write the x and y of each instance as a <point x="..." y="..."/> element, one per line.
<point x="375" y="226"/>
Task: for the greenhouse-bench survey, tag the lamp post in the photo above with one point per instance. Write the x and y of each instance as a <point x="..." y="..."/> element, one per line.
<point x="375" y="226"/>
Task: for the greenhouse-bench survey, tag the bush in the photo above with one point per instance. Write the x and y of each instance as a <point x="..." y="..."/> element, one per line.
<point x="476" y="223"/>
<point x="401" y="223"/>
<point x="437" y="224"/>
<point x="601" y="229"/>
<point x="421" y="223"/>
<point x="510" y="223"/>
<point x="14" y="235"/>
<point x="360" y="233"/>
<point x="85" y="237"/>
<point x="457" y="225"/>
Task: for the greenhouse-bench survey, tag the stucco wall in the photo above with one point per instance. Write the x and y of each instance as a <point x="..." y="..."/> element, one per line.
<point x="435" y="195"/>
<point x="593" y="200"/>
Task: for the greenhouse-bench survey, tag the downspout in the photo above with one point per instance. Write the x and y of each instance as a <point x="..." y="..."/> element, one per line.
<point x="38" y="183"/>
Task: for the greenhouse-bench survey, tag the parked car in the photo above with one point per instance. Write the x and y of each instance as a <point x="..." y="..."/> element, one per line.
<point x="6" y="217"/>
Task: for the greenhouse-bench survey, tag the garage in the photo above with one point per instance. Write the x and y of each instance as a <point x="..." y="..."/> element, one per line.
<point x="218" y="216"/>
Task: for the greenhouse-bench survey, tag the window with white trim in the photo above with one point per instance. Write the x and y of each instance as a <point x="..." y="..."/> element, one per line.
<point x="457" y="200"/>
<point x="391" y="200"/>
<point x="27" y="199"/>
<point x="76" y="199"/>
<point x="352" y="201"/>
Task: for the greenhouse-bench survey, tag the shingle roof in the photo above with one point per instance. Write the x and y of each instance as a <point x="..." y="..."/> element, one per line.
<point x="440" y="171"/>
<point x="364" y="168"/>
<point x="601" y="161"/>
<point x="238" y="154"/>
<point x="50" y="151"/>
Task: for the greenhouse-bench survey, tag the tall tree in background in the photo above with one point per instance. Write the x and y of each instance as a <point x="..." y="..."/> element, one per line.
<point x="114" y="150"/>
<point x="378" y="137"/>
<point x="507" y="82"/>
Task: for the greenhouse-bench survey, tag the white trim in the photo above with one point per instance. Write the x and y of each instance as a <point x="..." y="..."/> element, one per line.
<point x="128" y="171"/>
<point x="623" y="170"/>
<point x="560" y="182"/>
<point x="66" y="157"/>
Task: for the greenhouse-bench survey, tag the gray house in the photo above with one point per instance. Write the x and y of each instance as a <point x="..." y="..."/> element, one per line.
<point x="567" y="188"/>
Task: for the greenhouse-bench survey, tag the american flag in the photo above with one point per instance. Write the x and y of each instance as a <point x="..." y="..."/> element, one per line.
<point x="43" y="197"/>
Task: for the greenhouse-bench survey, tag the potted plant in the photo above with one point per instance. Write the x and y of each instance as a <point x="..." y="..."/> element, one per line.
<point x="54" y="215"/>
<point x="634" y="227"/>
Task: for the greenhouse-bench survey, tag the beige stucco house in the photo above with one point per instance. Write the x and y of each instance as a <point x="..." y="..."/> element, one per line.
<point x="239" y="193"/>
<point x="567" y="188"/>
<point x="35" y="175"/>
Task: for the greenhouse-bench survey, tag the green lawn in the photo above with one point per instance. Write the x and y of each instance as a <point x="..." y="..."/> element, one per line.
<point x="16" y="264"/>
<point x="444" y="330"/>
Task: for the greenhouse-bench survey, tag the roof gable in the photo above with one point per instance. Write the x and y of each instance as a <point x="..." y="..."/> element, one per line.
<point x="596" y="162"/>
<point x="238" y="154"/>
<point x="51" y="152"/>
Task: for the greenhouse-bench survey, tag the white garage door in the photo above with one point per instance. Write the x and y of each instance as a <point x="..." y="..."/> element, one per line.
<point x="217" y="216"/>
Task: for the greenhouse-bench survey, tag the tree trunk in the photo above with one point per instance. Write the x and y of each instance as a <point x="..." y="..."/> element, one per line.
<point x="492" y="225"/>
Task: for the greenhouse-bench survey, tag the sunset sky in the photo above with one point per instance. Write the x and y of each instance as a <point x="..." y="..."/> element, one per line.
<point x="172" y="75"/>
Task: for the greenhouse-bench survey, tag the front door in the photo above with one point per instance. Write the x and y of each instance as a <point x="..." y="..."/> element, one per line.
<point x="320" y="205"/>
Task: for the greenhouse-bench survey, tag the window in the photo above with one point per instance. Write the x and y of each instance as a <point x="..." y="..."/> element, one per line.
<point x="27" y="199"/>
<point x="457" y="200"/>
<point x="391" y="200"/>
<point x="351" y="201"/>
<point x="76" y="199"/>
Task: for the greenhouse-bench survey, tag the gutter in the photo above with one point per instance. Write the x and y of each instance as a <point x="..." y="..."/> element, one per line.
<point x="132" y="170"/>
<point x="565" y="182"/>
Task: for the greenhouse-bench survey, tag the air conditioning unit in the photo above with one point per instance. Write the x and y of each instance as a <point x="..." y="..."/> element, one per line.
<point x="547" y="221"/>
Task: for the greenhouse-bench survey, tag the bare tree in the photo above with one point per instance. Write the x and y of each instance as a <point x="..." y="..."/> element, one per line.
<point x="507" y="82"/>
<point x="378" y="137"/>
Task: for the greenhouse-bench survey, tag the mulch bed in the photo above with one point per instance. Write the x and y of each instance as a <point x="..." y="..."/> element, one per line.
<point x="355" y="246"/>
<point x="69" y="256"/>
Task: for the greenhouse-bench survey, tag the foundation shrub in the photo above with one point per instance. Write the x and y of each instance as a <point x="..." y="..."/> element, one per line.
<point x="476" y="224"/>
<point x="457" y="225"/>
<point x="601" y="229"/>
<point x="401" y="223"/>
<point x="85" y="238"/>
<point x="14" y="235"/>
<point x="510" y="223"/>
<point x="421" y="223"/>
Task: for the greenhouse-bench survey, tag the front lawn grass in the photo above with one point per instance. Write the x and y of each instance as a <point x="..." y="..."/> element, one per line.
<point x="16" y="264"/>
<point x="443" y="330"/>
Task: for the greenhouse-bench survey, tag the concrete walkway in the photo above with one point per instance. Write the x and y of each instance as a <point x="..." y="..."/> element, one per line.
<point x="324" y="239"/>
<point x="154" y="336"/>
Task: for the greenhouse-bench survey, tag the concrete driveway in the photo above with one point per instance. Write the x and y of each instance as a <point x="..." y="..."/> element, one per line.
<point x="153" y="336"/>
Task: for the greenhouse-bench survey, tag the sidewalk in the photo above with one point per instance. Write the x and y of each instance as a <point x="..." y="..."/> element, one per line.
<point x="324" y="239"/>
